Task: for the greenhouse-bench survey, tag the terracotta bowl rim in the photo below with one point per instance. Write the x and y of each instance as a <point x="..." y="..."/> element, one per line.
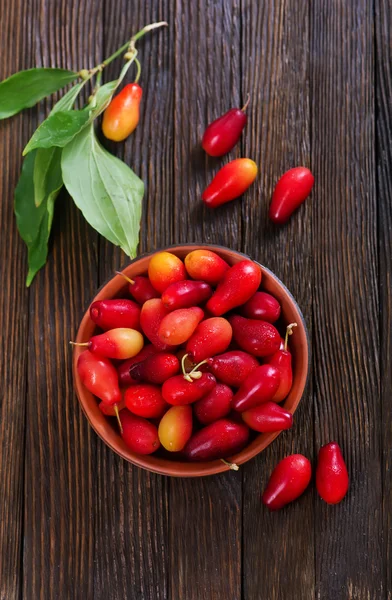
<point x="163" y="466"/>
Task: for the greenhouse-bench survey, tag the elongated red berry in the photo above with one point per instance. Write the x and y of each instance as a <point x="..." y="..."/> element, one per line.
<point x="223" y="133"/>
<point x="259" y="387"/>
<point x="185" y="294"/>
<point x="175" y="428"/>
<point x="140" y="435"/>
<point x="177" y="327"/>
<point x="145" y="400"/>
<point x="110" y="314"/>
<point x="156" y="368"/>
<point x="165" y="268"/>
<point x="122" y="115"/>
<point x="288" y="481"/>
<point x="178" y="391"/>
<point x="140" y="288"/>
<point x="123" y="370"/>
<point x="206" y="265"/>
<point x="331" y="474"/>
<point x="290" y="191"/>
<point x="99" y="376"/>
<point x="230" y="182"/>
<point x="218" y="440"/>
<point x="120" y="343"/>
<point x="268" y="417"/>
<point x="262" y="306"/>
<point x="215" y="405"/>
<point x="239" y="284"/>
<point x="151" y="316"/>
<point x="256" y="337"/>
<point x="233" y="367"/>
<point x="211" y="337"/>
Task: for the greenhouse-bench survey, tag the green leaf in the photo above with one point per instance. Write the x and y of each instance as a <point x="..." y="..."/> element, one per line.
<point x="58" y="129"/>
<point x="34" y="223"/>
<point x="108" y="193"/>
<point x="47" y="173"/>
<point x="67" y="101"/>
<point x="26" y="88"/>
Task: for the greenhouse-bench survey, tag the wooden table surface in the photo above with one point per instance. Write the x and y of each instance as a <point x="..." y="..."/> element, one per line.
<point x="77" y="522"/>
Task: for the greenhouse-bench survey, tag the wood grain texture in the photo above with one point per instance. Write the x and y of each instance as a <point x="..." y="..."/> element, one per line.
<point x="346" y="333"/>
<point x="205" y="514"/>
<point x="13" y="322"/>
<point x="383" y="25"/>
<point x="60" y="449"/>
<point x="275" y="64"/>
<point x="131" y="514"/>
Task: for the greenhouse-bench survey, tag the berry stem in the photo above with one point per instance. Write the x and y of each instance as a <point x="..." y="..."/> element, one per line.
<point x="289" y="331"/>
<point x="118" y="418"/>
<point x="131" y="281"/>
<point x="246" y="104"/>
<point x="232" y="466"/>
<point x="79" y="343"/>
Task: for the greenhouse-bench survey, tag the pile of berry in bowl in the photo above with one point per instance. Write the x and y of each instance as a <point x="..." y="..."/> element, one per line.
<point x="191" y="361"/>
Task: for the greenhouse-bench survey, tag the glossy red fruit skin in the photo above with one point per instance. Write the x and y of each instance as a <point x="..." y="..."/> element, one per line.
<point x="269" y="357"/>
<point x="120" y="343"/>
<point x="230" y="182"/>
<point x="232" y="368"/>
<point x="331" y="474"/>
<point x="268" y="417"/>
<point x="239" y="284"/>
<point x="178" y="391"/>
<point x="151" y="316"/>
<point x="175" y="428"/>
<point x="259" y="387"/>
<point x="142" y="290"/>
<point x="218" y="440"/>
<point x="122" y="115"/>
<point x="110" y="314"/>
<point x="99" y="376"/>
<point x="109" y="409"/>
<point x="282" y="361"/>
<point x="206" y="266"/>
<point x="164" y="269"/>
<point x="291" y="190"/>
<point x="124" y="376"/>
<point x="185" y="294"/>
<point x="139" y="435"/>
<point x="145" y="400"/>
<point x="156" y="368"/>
<point x="211" y="337"/>
<point x="288" y="481"/>
<point x="178" y="326"/>
<point x="222" y="134"/>
<point x="215" y="405"/>
<point x="262" y="306"/>
<point x="256" y="337"/>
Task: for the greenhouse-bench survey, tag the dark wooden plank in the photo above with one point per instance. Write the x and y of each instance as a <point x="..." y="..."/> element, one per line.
<point x="13" y="316"/>
<point x="278" y="547"/>
<point x="346" y="330"/>
<point x="383" y="25"/>
<point x="205" y="514"/>
<point x="131" y="511"/>
<point x="60" y="448"/>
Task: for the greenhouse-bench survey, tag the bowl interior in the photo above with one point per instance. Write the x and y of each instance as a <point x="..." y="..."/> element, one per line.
<point x="299" y="348"/>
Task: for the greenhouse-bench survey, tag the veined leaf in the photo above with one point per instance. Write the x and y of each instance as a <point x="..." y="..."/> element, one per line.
<point x="34" y="223"/>
<point x="107" y="191"/>
<point x="26" y="88"/>
<point x="58" y="129"/>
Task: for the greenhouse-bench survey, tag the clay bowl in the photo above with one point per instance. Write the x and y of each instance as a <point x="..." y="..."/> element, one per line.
<point x="299" y="346"/>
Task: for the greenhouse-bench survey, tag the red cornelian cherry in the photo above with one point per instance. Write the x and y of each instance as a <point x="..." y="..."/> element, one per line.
<point x="121" y="117"/>
<point x="268" y="417"/>
<point x="222" y="134"/>
<point x="145" y="400"/>
<point x="164" y="269"/>
<point x="140" y="288"/>
<point x="123" y="370"/>
<point x="282" y="361"/>
<point x="239" y="284"/>
<point x="99" y="376"/>
<point x="185" y="294"/>
<point x="331" y="474"/>
<point x="111" y="314"/>
<point x="259" y="387"/>
<point x="120" y="343"/>
<point x="291" y="190"/>
<point x="215" y="405"/>
<point x="156" y="368"/>
<point x="211" y="337"/>
<point x="177" y="327"/>
<point x="232" y="367"/>
<point x="218" y="440"/>
<point x="262" y="306"/>
<point x="178" y="391"/>
<point x="230" y="182"/>
<point x="140" y="435"/>
<point x="206" y="265"/>
<point x="256" y="337"/>
<point x="288" y="481"/>
<point x="175" y="428"/>
<point x="151" y="316"/>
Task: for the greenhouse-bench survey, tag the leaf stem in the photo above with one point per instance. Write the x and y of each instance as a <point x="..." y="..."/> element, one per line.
<point x="139" y="70"/>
